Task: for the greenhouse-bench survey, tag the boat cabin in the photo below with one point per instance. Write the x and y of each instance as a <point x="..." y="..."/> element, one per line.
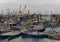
<point x="14" y="26"/>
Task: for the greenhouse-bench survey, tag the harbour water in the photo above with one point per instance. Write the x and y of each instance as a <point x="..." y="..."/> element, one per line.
<point x="19" y="39"/>
<point x="32" y="40"/>
<point x="5" y="40"/>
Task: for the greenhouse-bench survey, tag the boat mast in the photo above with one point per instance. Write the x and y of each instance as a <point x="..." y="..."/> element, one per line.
<point x="19" y="12"/>
<point x="51" y="20"/>
<point x="24" y="9"/>
<point x="8" y="16"/>
<point x="39" y="16"/>
<point x="2" y="20"/>
<point x="29" y="14"/>
<point x="2" y="15"/>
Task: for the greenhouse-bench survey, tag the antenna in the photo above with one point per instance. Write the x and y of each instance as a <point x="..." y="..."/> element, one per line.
<point x="2" y="14"/>
<point x="24" y="8"/>
<point x="20" y="8"/>
<point x="28" y="11"/>
<point x="19" y="11"/>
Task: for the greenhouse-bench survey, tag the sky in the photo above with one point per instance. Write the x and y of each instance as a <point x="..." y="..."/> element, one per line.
<point x="32" y="5"/>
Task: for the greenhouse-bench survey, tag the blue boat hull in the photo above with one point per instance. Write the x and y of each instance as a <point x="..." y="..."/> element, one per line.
<point x="3" y="36"/>
<point x="51" y="25"/>
<point x="32" y="35"/>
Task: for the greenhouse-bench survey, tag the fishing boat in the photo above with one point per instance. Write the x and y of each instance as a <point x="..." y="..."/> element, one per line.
<point x="55" y="36"/>
<point x="24" y="35"/>
<point x="15" y="29"/>
<point x="32" y="34"/>
<point x="39" y="26"/>
<point x="11" y="32"/>
<point x="2" y="31"/>
<point x="53" y="32"/>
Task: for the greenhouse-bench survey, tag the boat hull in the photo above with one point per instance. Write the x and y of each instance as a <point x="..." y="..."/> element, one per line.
<point x="3" y="37"/>
<point x="32" y="35"/>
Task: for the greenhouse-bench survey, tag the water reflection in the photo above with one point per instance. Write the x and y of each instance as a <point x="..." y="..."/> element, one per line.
<point x="5" y="40"/>
<point x="35" y="40"/>
<point x="19" y="39"/>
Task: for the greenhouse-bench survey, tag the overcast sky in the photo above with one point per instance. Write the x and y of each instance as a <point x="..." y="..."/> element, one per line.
<point x="33" y="5"/>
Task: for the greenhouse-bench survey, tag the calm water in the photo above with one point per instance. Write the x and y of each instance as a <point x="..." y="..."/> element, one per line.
<point x="19" y="39"/>
<point x="5" y="40"/>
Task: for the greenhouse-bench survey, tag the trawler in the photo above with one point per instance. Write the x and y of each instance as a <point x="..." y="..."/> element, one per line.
<point x="53" y="30"/>
<point x="33" y="30"/>
<point x="6" y="27"/>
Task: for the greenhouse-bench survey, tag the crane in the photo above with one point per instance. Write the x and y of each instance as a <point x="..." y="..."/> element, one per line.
<point x="21" y="11"/>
